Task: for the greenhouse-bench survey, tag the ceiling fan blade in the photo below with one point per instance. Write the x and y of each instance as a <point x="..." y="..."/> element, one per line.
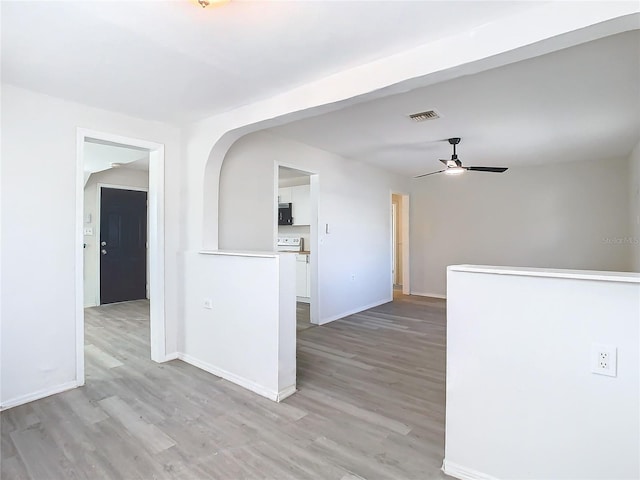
<point x="488" y="169"/>
<point x="427" y="174"/>
<point x="444" y="161"/>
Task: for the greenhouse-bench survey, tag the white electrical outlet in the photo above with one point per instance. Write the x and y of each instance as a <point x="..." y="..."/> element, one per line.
<point x="353" y="277"/>
<point x="207" y="303"/>
<point x="604" y="360"/>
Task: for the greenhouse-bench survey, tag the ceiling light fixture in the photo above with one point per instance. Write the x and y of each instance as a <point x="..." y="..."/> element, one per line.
<point x="454" y="171"/>
<point x="213" y="3"/>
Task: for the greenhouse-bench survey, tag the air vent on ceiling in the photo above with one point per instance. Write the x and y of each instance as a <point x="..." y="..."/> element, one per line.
<point x="423" y="116"/>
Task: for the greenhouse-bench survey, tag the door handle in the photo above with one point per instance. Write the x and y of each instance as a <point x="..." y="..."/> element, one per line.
<point x="103" y="251"/>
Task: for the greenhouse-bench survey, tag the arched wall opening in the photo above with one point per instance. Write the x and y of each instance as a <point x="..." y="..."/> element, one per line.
<point x="505" y="41"/>
<point x="231" y="130"/>
<point x="212" y="298"/>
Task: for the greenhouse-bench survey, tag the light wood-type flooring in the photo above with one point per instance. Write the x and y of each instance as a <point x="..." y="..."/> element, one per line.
<point x="370" y="404"/>
<point x="303" y="316"/>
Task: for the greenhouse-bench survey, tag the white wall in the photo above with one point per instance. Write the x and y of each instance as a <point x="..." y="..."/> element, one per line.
<point x="39" y="136"/>
<point x="354" y="199"/>
<point x="561" y="215"/>
<point x="634" y="207"/>
<point x="39" y="236"/>
<point x="124" y="177"/>
<point x="522" y="402"/>
<point x="249" y="334"/>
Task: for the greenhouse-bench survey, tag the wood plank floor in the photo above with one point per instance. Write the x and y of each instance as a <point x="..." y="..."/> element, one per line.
<point x="370" y="405"/>
<point x="303" y="316"/>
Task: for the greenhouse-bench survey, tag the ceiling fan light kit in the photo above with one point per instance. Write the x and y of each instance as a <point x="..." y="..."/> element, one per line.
<point x="454" y="165"/>
<point x="214" y="3"/>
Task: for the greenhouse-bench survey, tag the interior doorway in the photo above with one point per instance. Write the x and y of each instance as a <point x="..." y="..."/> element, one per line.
<point x="120" y="231"/>
<point x="400" y="275"/>
<point x="115" y="257"/>
<point x="296" y="231"/>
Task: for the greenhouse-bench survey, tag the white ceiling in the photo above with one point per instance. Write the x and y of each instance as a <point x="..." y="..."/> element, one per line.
<point x="176" y="62"/>
<point x="289" y="173"/>
<point x="575" y="104"/>
<point x="99" y="156"/>
<point x="289" y="177"/>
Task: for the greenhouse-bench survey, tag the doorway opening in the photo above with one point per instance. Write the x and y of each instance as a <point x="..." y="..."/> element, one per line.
<point x="400" y="276"/>
<point x="296" y="231"/>
<point x="120" y="220"/>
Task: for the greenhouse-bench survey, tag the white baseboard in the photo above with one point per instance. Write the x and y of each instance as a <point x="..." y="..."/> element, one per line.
<point x="171" y="356"/>
<point x="46" y="392"/>
<point x="324" y="321"/>
<point x="433" y="295"/>
<point x="464" y="473"/>
<point x="286" y="392"/>
<point x="233" y="378"/>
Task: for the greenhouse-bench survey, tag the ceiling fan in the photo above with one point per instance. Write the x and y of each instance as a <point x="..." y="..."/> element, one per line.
<point x="454" y="166"/>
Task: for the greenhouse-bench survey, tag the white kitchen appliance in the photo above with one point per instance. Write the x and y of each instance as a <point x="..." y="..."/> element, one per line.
<point x="295" y="244"/>
<point x="290" y="244"/>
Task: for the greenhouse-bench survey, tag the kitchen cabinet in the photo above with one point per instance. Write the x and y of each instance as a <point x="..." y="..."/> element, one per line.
<point x="303" y="277"/>
<point x="284" y="195"/>
<point x="300" y="199"/>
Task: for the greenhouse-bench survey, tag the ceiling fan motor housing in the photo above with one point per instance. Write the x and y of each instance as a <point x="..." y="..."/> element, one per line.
<point x="454" y="162"/>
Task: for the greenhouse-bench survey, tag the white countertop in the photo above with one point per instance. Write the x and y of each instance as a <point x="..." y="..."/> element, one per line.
<point x="241" y="253"/>
<point x="627" y="277"/>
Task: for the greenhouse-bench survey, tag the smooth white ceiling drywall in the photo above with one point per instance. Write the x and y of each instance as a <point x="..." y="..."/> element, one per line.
<point x="99" y="157"/>
<point x="580" y="103"/>
<point x="176" y="62"/>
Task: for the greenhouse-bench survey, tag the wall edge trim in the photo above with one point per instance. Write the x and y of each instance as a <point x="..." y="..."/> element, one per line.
<point x="286" y="392"/>
<point x="432" y="295"/>
<point x="39" y="394"/>
<point x="464" y="473"/>
<point x="231" y="377"/>
<point x="353" y="311"/>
